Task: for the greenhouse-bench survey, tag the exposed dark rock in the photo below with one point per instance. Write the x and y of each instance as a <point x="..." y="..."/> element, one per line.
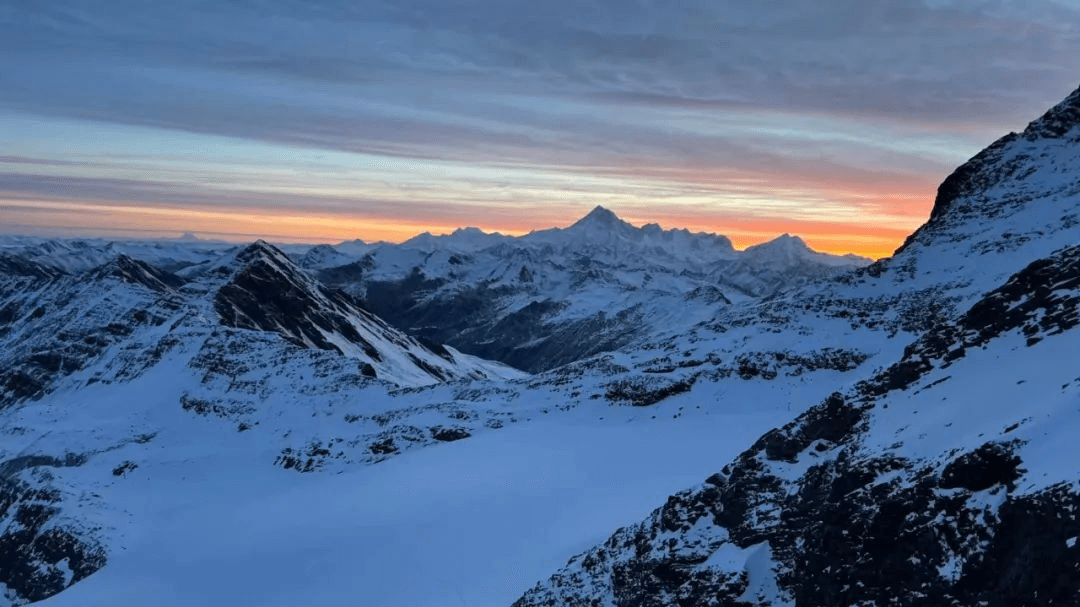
<point x="989" y="465"/>
<point x="1042" y="299"/>
<point x="38" y="557"/>
<point x="124" y="468"/>
<point x="447" y="435"/>
<point x="16" y="266"/>
<point x="138" y="272"/>
<point x="833" y="421"/>
<point x="269" y="294"/>
<point x="963" y="193"/>
<point x="643" y="391"/>
<point x="383" y="447"/>
<point x="308" y="459"/>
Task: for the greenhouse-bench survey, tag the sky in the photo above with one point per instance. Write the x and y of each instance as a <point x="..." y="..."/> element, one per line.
<point x="323" y="121"/>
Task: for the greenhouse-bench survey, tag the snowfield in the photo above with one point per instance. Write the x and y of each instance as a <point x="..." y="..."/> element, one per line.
<point x="467" y="523"/>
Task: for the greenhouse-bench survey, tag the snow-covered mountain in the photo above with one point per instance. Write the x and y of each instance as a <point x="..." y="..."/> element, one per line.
<point x="555" y="296"/>
<point x="245" y="339"/>
<point x="944" y="478"/>
<point x="204" y="433"/>
<point x="129" y="314"/>
<point x="534" y="302"/>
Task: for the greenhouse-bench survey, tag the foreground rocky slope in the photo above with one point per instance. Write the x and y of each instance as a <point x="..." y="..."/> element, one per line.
<point x="935" y="482"/>
<point x="944" y="478"/>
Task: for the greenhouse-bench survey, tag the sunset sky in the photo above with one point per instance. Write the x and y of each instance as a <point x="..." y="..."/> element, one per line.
<point x="322" y="121"/>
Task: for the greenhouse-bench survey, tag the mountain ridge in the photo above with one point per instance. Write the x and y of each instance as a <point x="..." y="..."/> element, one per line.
<point x="555" y="296"/>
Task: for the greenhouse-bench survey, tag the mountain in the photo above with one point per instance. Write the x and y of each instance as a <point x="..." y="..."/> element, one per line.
<point x="123" y="380"/>
<point x="534" y="302"/>
<point x="897" y="433"/>
<point x="59" y="324"/>
<point x="943" y="478"/>
<point x="555" y="296"/>
<point x="250" y="339"/>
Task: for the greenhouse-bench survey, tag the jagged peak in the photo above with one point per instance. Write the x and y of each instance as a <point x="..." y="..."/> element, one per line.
<point x="421" y="237"/>
<point x="1058" y="121"/>
<point x="791" y="249"/>
<point x="1003" y="160"/>
<point x="461" y="239"/>
<point x="260" y="245"/>
<point x="355" y="242"/>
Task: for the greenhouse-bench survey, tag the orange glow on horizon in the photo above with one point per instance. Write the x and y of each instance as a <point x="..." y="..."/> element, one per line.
<point x="85" y="219"/>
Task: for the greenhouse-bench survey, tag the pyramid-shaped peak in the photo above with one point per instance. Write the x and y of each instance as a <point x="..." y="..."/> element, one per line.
<point x="261" y="245"/>
<point x="260" y="249"/>
<point x="600" y="216"/>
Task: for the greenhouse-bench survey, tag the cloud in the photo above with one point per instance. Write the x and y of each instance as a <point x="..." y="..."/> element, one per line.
<point x="837" y="106"/>
<point x="971" y="62"/>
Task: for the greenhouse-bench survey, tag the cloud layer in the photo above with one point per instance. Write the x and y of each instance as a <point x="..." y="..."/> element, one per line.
<point x="513" y="115"/>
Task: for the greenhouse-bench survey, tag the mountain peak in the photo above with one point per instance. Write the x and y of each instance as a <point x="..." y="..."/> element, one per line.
<point x="130" y="270"/>
<point x="599" y="216"/>
<point x="1025" y="164"/>
<point x="469" y="231"/>
<point x="783" y="242"/>
<point x="1058" y="121"/>
<point x="260" y="249"/>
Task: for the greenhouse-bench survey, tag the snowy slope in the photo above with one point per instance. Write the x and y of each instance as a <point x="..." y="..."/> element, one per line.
<point x="473" y="521"/>
<point x="214" y="431"/>
<point x="171" y="389"/>
<point x="933" y="482"/>
<point x="78" y="255"/>
<point x="96" y="361"/>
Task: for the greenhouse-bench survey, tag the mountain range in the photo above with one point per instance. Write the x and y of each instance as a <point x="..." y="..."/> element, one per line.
<point x="199" y="423"/>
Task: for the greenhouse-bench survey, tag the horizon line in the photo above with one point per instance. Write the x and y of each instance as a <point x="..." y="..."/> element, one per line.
<point x="114" y="233"/>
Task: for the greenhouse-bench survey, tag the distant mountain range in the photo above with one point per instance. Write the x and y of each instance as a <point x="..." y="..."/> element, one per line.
<point x="534" y="302"/>
<point x="925" y="407"/>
